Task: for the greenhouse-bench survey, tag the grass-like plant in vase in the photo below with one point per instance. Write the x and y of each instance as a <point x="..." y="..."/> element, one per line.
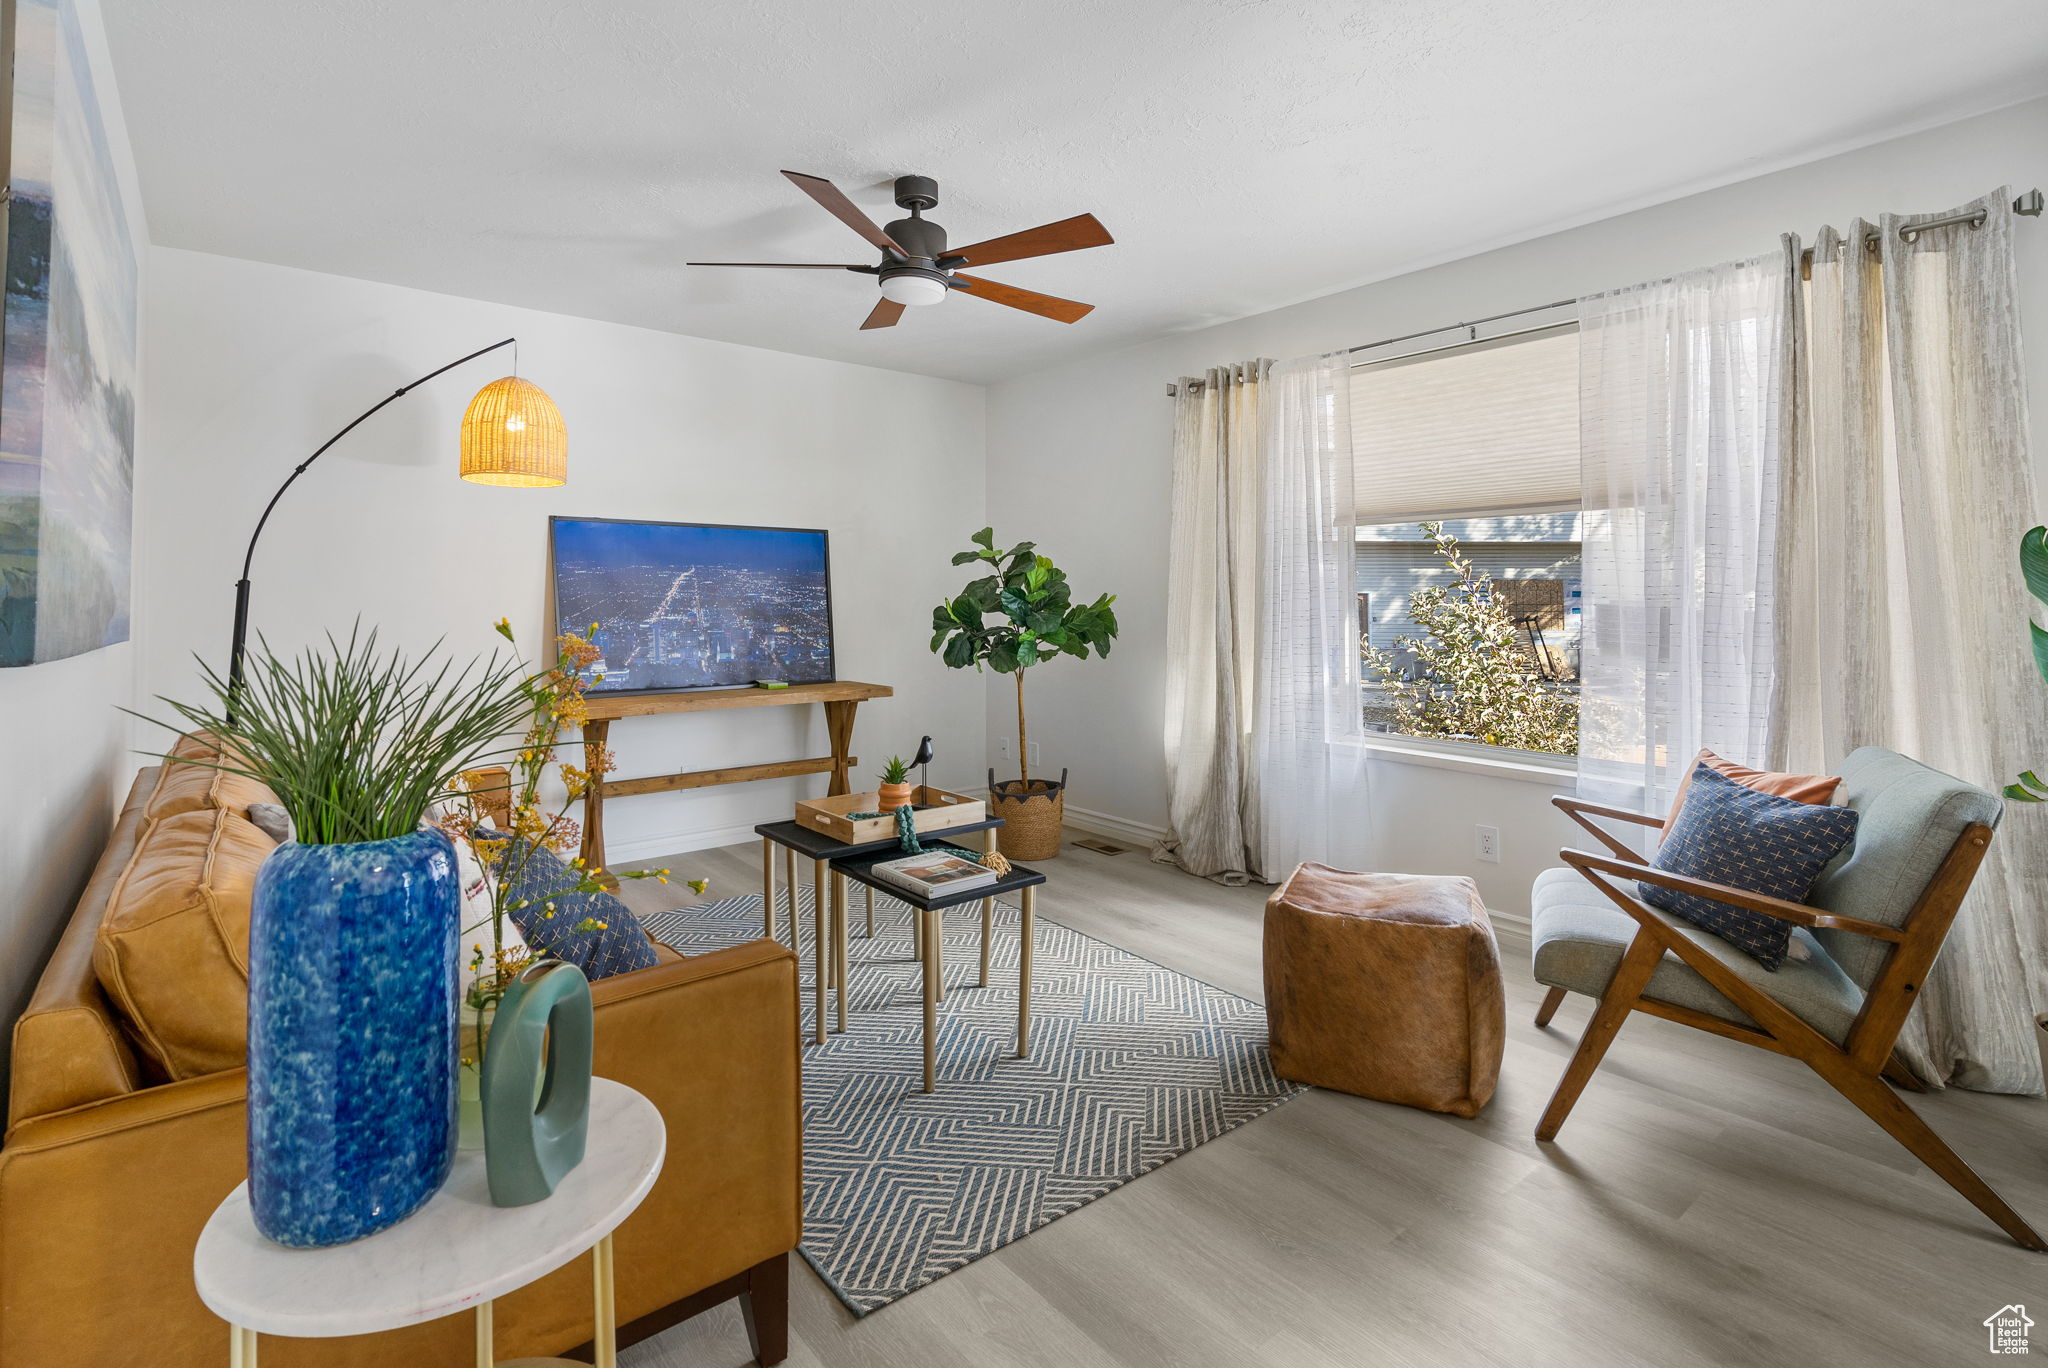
<point x="1035" y="620"/>
<point x="355" y="925"/>
<point x="352" y="937"/>
<point x="2031" y="788"/>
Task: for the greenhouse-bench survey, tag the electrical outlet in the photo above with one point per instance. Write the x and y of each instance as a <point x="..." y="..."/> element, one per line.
<point x="1489" y="844"/>
<point x="1003" y="748"/>
<point x="1034" y="754"/>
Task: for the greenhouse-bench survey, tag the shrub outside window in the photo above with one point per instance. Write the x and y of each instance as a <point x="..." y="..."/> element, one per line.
<point x="1468" y="543"/>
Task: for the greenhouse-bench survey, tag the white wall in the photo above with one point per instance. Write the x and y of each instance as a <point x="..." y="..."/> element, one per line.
<point x="63" y="757"/>
<point x="1079" y="456"/>
<point x="256" y="365"/>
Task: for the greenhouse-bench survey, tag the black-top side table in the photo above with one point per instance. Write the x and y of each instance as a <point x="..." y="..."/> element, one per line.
<point x="830" y="911"/>
<point x="927" y="909"/>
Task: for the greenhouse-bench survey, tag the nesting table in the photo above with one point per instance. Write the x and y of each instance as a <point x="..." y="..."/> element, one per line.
<point x="1019" y="880"/>
<point x="836" y="863"/>
<point x="454" y="1254"/>
<point x="828" y="902"/>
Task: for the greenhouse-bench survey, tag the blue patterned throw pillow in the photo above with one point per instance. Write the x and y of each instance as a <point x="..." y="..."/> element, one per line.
<point x="1731" y="834"/>
<point x="618" y="946"/>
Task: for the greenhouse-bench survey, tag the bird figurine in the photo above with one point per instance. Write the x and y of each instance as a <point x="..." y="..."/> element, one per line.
<point x="923" y="761"/>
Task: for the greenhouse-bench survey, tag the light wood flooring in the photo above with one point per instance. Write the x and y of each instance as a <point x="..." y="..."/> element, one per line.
<point x="1707" y="1204"/>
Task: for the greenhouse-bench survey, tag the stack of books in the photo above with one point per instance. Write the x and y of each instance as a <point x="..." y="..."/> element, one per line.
<point x="934" y="873"/>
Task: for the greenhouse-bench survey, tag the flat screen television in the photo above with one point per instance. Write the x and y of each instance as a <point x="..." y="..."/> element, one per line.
<point x="693" y="605"/>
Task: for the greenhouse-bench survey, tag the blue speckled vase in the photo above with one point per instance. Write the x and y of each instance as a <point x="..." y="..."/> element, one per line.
<point x="352" y="1035"/>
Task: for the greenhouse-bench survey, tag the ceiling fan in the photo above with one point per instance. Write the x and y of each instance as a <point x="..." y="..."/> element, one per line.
<point x="918" y="268"/>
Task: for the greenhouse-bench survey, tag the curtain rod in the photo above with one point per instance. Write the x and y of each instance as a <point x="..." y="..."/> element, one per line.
<point x="1173" y="389"/>
<point x="2030" y="205"/>
<point x="1469" y="324"/>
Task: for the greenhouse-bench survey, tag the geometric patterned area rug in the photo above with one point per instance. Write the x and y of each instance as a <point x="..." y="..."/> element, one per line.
<point x="1131" y="1065"/>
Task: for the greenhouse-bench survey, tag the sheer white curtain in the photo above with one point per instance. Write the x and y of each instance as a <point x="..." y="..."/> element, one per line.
<point x="1307" y="705"/>
<point x="1212" y="602"/>
<point x="1908" y="493"/>
<point x="1683" y="406"/>
<point x="1262" y="708"/>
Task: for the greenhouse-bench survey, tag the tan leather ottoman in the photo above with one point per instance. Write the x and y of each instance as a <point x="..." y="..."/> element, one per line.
<point x="1385" y="986"/>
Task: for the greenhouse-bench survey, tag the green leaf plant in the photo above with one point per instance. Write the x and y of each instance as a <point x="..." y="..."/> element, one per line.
<point x="1034" y="620"/>
<point x="2031" y="788"/>
<point x="355" y="742"/>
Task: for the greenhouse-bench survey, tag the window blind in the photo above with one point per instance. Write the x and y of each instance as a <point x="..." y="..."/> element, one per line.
<point x="1487" y="429"/>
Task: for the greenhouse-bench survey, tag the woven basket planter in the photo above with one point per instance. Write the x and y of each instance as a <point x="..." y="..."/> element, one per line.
<point x="1032" y="811"/>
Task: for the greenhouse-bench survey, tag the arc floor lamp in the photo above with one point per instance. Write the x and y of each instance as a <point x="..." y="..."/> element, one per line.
<point x="512" y="434"/>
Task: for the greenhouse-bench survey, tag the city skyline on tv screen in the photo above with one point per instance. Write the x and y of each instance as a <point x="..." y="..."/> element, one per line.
<point x="691" y="605"/>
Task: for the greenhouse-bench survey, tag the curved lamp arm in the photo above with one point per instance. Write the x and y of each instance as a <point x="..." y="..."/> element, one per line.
<point x="248" y="557"/>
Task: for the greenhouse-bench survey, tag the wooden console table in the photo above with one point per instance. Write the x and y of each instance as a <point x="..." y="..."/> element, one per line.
<point x="840" y="700"/>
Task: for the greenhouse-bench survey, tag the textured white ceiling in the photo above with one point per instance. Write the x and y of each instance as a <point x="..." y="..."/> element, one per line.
<point x="1245" y="153"/>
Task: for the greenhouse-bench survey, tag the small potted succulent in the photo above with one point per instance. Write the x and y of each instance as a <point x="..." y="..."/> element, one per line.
<point x="895" y="791"/>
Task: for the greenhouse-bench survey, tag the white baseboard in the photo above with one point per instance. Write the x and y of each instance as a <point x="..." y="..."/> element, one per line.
<point x="1139" y="834"/>
<point x="679" y="843"/>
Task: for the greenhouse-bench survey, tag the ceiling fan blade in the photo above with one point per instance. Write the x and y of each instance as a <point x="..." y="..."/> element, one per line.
<point x="781" y="265"/>
<point x="884" y="315"/>
<point x="1044" y="305"/>
<point x="845" y="210"/>
<point x="1068" y="235"/>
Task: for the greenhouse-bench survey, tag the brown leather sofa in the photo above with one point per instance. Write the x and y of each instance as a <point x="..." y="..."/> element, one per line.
<point x="121" y="1139"/>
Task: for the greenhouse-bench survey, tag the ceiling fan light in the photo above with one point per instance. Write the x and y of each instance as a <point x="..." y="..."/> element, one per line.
<point x="912" y="289"/>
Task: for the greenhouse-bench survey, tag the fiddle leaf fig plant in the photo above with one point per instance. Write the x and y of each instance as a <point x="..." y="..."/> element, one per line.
<point x="1035" y="619"/>
<point x="2031" y="788"/>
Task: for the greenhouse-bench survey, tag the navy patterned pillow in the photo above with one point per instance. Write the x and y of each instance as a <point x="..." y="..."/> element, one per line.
<point x="1728" y="833"/>
<point x="617" y="946"/>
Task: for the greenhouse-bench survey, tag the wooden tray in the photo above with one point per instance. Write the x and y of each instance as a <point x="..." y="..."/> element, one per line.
<point x="937" y="810"/>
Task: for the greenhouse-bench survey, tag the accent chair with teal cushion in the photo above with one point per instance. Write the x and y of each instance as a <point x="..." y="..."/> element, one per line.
<point x="1860" y="943"/>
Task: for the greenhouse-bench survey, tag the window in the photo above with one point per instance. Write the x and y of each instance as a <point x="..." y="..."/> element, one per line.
<point x="1468" y="542"/>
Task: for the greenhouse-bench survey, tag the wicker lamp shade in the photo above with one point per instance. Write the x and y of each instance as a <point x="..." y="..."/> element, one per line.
<point x="514" y="435"/>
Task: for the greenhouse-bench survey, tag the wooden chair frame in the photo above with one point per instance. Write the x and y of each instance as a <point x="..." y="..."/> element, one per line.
<point x="1857" y="1069"/>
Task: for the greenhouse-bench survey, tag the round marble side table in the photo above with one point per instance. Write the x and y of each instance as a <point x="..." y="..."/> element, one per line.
<point x="454" y="1254"/>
